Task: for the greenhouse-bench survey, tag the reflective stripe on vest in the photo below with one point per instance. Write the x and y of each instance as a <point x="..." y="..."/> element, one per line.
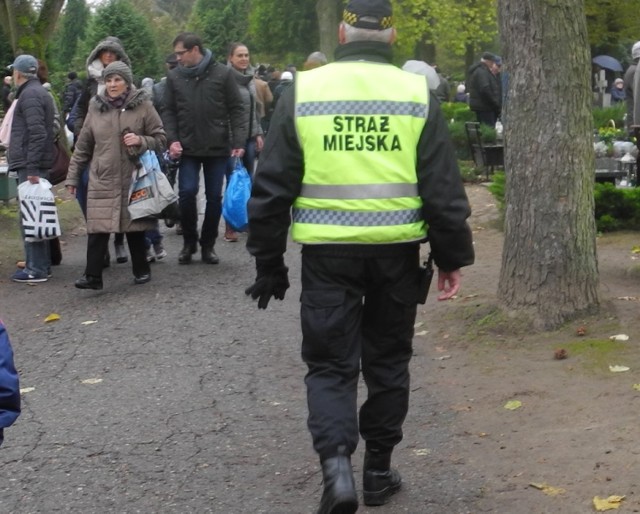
<point x="359" y="144"/>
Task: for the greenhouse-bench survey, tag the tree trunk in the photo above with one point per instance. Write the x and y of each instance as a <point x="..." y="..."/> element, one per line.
<point x="328" y="13"/>
<point x="549" y="265"/>
<point x="27" y="30"/>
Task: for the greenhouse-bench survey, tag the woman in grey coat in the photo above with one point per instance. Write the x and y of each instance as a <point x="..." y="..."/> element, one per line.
<point x="121" y="125"/>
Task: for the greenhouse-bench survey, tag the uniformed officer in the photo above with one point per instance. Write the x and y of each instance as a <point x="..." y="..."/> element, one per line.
<point x="359" y="156"/>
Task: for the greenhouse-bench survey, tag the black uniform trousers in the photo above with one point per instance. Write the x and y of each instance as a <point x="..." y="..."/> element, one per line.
<point x="98" y="244"/>
<point x="358" y="312"/>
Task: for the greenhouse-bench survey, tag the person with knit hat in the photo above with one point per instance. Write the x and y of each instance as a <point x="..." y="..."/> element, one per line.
<point x="359" y="160"/>
<point x="108" y="50"/>
<point x="119" y="117"/>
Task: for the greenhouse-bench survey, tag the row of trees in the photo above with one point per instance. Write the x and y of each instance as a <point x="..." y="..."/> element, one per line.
<point x="450" y="32"/>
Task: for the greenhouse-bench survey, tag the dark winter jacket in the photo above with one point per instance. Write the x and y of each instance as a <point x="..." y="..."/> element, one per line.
<point x="31" y="145"/>
<point x="483" y="89"/>
<point x="72" y="92"/>
<point x="94" y="77"/>
<point x="247" y="88"/>
<point x="9" y="384"/>
<point x="199" y="111"/>
<point x="281" y="169"/>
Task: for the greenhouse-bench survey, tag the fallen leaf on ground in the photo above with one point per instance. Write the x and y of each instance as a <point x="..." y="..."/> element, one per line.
<point x="27" y="390"/>
<point x="513" y="404"/>
<point x="636" y="387"/>
<point x="419" y="324"/>
<point x="619" y="337"/>
<point x="581" y="331"/>
<point x="610" y="503"/>
<point x="422" y="333"/>
<point x="52" y="317"/>
<point x="443" y="358"/>
<point x="91" y="381"/>
<point x="421" y="452"/>
<point x="628" y="298"/>
<point x="635" y="249"/>
<point x="618" y="369"/>
<point x="90" y="322"/>
<point x="549" y="490"/>
<point x="560" y="354"/>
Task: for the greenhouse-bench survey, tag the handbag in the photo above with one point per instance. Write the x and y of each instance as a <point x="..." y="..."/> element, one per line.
<point x="150" y="193"/>
<point x="38" y="211"/>
<point x="236" y="197"/>
<point x="5" y="128"/>
<point x="60" y="167"/>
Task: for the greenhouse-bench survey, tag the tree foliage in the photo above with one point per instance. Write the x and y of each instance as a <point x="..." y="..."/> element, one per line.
<point x="613" y="25"/>
<point x="285" y="30"/>
<point x="118" y="18"/>
<point x="458" y="25"/>
<point x="219" y="23"/>
<point x="29" y="25"/>
<point x="71" y="31"/>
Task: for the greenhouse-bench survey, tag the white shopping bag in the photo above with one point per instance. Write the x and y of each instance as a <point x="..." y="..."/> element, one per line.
<point x="38" y="211"/>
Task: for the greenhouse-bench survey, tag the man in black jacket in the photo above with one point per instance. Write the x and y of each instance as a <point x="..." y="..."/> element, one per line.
<point x="72" y="92"/>
<point x="362" y="152"/>
<point x="203" y="116"/>
<point x="484" y="90"/>
<point x="30" y="152"/>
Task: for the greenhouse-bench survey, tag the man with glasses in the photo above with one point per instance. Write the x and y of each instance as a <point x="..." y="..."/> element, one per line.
<point x="203" y="117"/>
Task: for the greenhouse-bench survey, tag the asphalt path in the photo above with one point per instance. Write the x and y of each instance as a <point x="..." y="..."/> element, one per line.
<point x="180" y="396"/>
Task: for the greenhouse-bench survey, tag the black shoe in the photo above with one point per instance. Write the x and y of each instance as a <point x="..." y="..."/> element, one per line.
<point x="379" y="481"/>
<point x="121" y="254"/>
<point x="184" y="257"/>
<point x="106" y="262"/>
<point x="339" y="495"/>
<point x="89" y="282"/>
<point x="168" y="222"/>
<point x="209" y="256"/>
<point x="142" y="279"/>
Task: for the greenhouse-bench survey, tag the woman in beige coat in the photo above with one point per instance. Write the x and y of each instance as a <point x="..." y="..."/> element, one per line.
<point x="121" y="124"/>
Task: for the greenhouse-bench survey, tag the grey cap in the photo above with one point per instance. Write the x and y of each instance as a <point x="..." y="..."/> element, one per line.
<point x="25" y="64"/>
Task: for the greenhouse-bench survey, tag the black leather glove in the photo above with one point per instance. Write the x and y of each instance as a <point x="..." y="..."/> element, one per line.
<point x="271" y="280"/>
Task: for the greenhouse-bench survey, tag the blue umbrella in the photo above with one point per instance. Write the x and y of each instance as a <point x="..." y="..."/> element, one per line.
<point x="607" y="62"/>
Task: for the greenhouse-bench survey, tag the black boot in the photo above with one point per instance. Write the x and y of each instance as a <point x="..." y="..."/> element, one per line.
<point x="89" y="282"/>
<point x="339" y="495"/>
<point x="379" y="481"/>
<point x="209" y="256"/>
<point x="184" y="257"/>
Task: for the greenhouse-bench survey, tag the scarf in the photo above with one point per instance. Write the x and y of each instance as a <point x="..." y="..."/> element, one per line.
<point x="198" y="69"/>
<point x="118" y="101"/>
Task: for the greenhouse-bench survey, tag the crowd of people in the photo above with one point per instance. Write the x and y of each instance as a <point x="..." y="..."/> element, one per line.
<point x="202" y="134"/>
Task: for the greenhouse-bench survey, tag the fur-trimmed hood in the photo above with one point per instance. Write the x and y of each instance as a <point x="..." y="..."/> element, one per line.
<point x="113" y="44"/>
<point x="136" y="97"/>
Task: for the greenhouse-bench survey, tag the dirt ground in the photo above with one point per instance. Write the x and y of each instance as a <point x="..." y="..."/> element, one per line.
<point x="576" y="430"/>
<point x="575" y="434"/>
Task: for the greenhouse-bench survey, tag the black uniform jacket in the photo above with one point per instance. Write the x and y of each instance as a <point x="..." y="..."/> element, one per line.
<point x="281" y="167"/>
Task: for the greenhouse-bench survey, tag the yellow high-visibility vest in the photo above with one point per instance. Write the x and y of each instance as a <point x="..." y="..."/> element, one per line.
<point x="359" y="124"/>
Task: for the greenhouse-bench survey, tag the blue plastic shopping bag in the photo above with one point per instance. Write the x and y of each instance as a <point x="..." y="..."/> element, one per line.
<point x="234" y="204"/>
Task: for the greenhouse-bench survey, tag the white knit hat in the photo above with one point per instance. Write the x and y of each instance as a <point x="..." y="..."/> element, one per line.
<point x="635" y="50"/>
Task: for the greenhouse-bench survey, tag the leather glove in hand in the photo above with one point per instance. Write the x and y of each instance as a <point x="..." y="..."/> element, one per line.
<point x="271" y="280"/>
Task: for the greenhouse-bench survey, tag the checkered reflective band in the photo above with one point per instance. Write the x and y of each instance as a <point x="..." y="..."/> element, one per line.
<point x="357" y="218"/>
<point x="359" y="191"/>
<point x="39" y="219"/>
<point x="373" y="107"/>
